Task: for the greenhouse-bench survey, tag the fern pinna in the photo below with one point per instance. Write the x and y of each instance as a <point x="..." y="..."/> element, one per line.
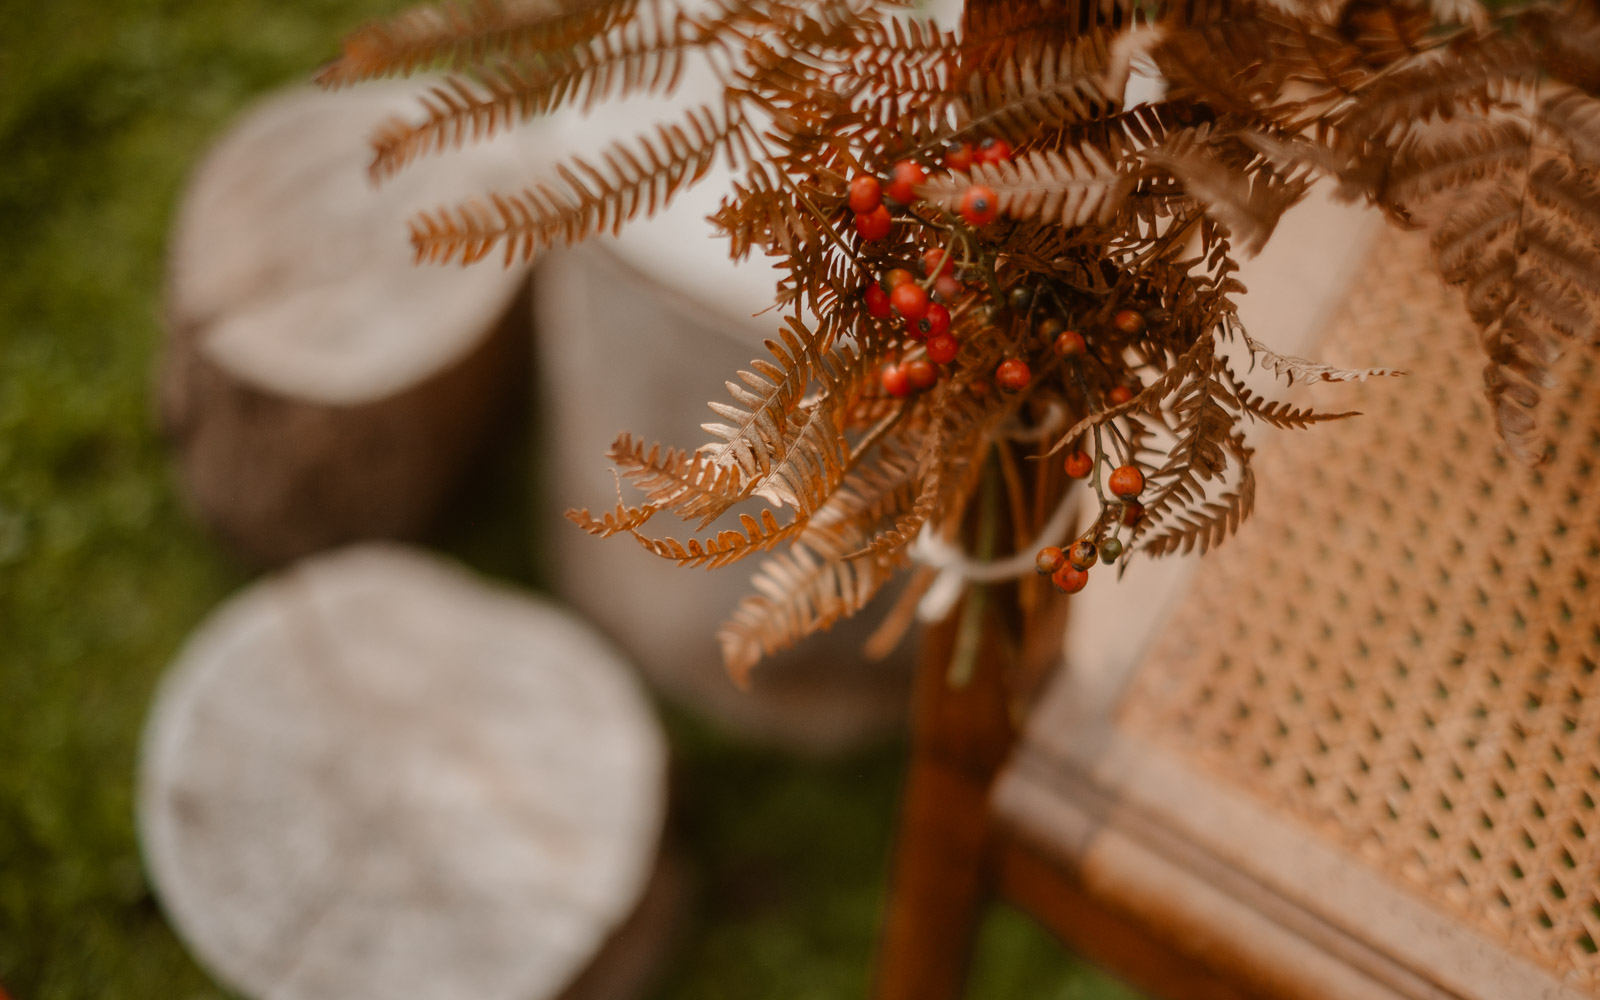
<point x="995" y="265"/>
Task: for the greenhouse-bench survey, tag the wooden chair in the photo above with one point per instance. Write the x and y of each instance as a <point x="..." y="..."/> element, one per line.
<point x="1362" y="760"/>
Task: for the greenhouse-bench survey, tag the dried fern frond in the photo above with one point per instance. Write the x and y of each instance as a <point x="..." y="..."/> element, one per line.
<point x="1083" y="254"/>
<point x="1573" y="118"/>
<point x="798" y="592"/>
<point x="766" y="405"/>
<point x="687" y="484"/>
<point x="591" y="200"/>
<point x="1072" y="188"/>
<point x="1039" y="88"/>
<point x="458" y="35"/>
<point x="755" y="534"/>
<point x="641" y="59"/>
<point x="1289" y="368"/>
<point x="1209" y="525"/>
<point x="1248" y="202"/>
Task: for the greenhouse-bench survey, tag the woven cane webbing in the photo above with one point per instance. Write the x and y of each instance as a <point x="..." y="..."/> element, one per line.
<point x="1399" y="649"/>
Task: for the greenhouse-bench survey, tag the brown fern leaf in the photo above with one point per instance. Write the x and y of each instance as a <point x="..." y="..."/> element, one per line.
<point x="874" y="493"/>
<point x="765" y="404"/>
<point x="1571" y="200"/>
<point x="728" y="546"/>
<point x="457" y="35"/>
<point x="1569" y="40"/>
<point x="925" y="477"/>
<point x="1573" y="118"/>
<point x="1289" y="368"/>
<point x="689" y="485"/>
<point x="761" y="214"/>
<point x="593" y="200"/>
<point x="1279" y="413"/>
<point x="1235" y="65"/>
<point x="1041" y="88"/>
<point x="1462" y="244"/>
<point x="1071" y="188"/>
<point x="1531" y="271"/>
<point x="1122" y="134"/>
<point x="905" y="528"/>
<point x="1210" y="525"/>
<point x="640" y="59"/>
<point x="1200" y="356"/>
<point x="798" y="592"/>
<point x="1490" y="149"/>
<point x="1248" y="203"/>
<point x="898" y="51"/>
<point x="1203" y="428"/>
<point x="1470" y="78"/>
<point x="990" y="30"/>
<point x="810" y="462"/>
<point x="612" y="522"/>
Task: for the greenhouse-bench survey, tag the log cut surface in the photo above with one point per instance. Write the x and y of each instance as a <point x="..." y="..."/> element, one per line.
<point x="372" y="776"/>
<point x="319" y="387"/>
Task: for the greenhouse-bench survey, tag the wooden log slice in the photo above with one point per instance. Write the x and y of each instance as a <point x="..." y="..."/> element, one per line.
<point x="318" y="386"/>
<point x="373" y="777"/>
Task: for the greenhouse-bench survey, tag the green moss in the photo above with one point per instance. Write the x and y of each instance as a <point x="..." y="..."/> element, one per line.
<point x="103" y="108"/>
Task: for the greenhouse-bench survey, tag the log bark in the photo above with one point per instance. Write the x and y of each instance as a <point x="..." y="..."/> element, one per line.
<point x="318" y="387"/>
<point x="372" y="776"/>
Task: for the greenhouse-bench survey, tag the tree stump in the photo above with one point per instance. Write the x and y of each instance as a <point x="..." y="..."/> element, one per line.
<point x="318" y="386"/>
<point x="372" y="777"/>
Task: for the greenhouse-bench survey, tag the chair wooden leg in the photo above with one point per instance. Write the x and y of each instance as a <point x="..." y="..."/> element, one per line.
<point x="942" y="873"/>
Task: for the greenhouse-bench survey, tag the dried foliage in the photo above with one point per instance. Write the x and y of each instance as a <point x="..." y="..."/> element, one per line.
<point x="1119" y="223"/>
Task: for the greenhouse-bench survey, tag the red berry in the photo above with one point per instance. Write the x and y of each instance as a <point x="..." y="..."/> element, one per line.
<point x="1049" y="327"/>
<point x="895" y="278"/>
<point x="1013" y="375"/>
<point x="895" y="380"/>
<point x="877" y="300"/>
<point x="874" y="225"/>
<point x="920" y="373"/>
<point x="947" y="286"/>
<point x="1049" y="560"/>
<point x="934" y="322"/>
<point x="1119" y="395"/>
<point x="938" y="261"/>
<point x="1128" y="321"/>
<point x="994" y="151"/>
<point x="866" y="193"/>
<point x="958" y="156"/>
<point x="1069" y="579"/>
<point x="942" y="348"/>
<point x="1126" y="481"/>
<point x="1132" y="511"/>
<point x="904" y="181"/>
<point x="909" y="300"/>
<point x="1082" y="554"/>
<point x="1070" y="344"/>
<point x="1079" y="465"/>
<point x="979" y="205"/>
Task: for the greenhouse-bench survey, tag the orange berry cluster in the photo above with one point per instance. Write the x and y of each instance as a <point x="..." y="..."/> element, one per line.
<point x="898" y="293"/>
<point x="1068" y="569"/>
<point x="979" y="205"/>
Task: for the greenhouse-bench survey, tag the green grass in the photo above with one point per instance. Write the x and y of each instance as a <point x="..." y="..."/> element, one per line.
<point x="104" y="105"/>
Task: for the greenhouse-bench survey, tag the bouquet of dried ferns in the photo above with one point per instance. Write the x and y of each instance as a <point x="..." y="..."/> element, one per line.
<point x="996" y="268"/>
